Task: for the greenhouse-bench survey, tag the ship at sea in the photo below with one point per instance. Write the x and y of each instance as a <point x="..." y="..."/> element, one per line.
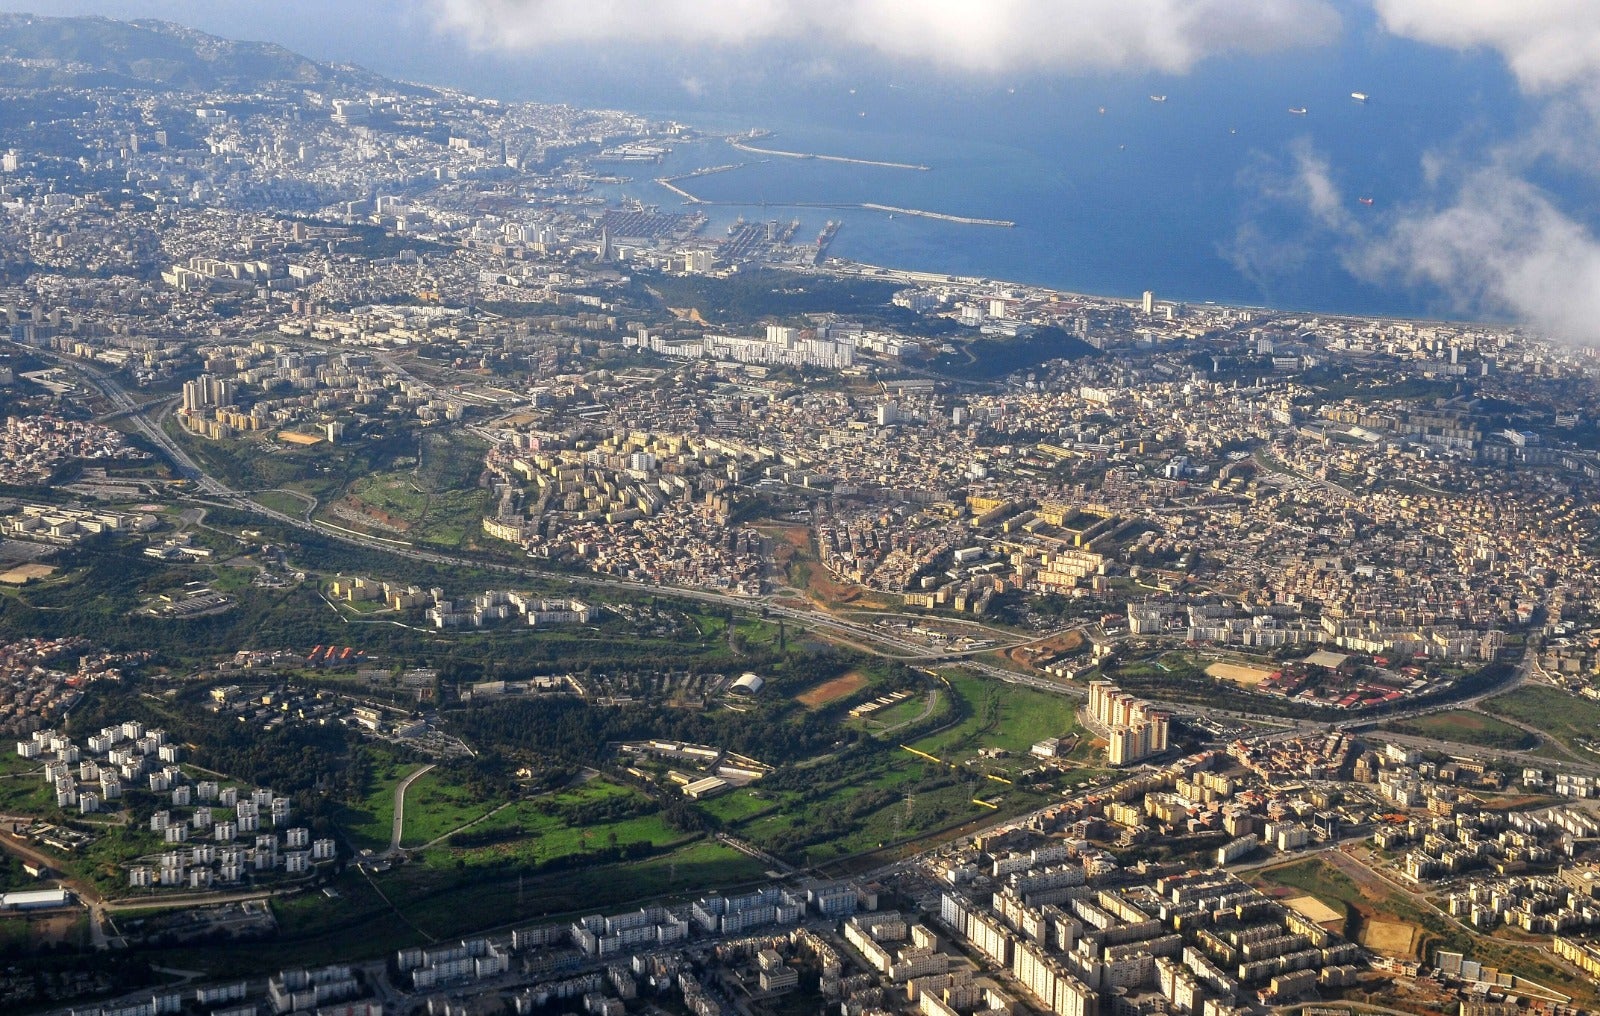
<point x="1297" y="110"/>
<point x="1158" y="98"/>
<point x="1359" y="96"/>
<point x="1365" y="201"/>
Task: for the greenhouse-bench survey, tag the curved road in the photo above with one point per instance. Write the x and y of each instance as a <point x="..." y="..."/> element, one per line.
<point x="399" y="824"/>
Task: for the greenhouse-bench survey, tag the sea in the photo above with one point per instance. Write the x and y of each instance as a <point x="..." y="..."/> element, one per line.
<point x="1113" y="193"/>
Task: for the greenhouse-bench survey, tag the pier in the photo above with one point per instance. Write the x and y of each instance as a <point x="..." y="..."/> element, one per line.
<point x="943" y="217"/>
<point x="869" y="206"/>
<point x="753" y="150"/>
<point x="688" y="199"/>
<point x="671" y="182"/>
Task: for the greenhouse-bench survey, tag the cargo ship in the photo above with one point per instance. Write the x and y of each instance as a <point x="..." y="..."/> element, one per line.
<point x="1365" y="201"/>
<point x="1359" y="96"/>
<point x="1158" y="98"/>
<point x="1297" y="110"/>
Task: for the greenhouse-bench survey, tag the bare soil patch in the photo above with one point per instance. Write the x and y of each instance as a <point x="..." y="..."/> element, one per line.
<point x="831" y="691"/>
<point x="1238" y="673"/>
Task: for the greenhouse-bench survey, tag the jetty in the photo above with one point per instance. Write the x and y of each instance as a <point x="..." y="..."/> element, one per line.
<point x="667" y="182"/>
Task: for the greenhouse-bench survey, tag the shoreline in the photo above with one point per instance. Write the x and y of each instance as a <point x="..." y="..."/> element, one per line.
<point x="910" y="276"/>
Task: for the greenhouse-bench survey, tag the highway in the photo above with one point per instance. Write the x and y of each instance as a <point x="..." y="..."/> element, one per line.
<point x="876" y="640"/>
<point x="224" y="496"/>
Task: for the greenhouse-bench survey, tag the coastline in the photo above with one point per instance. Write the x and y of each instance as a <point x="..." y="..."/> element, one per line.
<point x="848" y="268"/>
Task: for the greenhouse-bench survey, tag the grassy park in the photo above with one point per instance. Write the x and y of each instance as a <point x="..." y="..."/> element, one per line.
<point x="1561" y="715"/>
<point x="1467" y="727"/>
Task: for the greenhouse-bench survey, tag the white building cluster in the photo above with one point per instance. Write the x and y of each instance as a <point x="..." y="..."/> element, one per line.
<point x="497" y="605"/>
<point x="780" y="346"/>
<point x="1135" y="729"/>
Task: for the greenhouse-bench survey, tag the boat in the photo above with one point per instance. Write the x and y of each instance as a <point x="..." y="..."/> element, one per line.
<point x="1297" y="110"/>
<point x="1365" y="201"/>
<point x="1359" y="96"/>
<point x="1102" y="111"/>
<point x="1158" y="98"/>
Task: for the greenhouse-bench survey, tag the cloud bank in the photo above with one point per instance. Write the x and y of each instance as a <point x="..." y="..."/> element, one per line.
<point x="1550" y="45"/>
<point x="1489" y="238"/>
<point x="1500" y="245"/>
<point x="985" y="36"/>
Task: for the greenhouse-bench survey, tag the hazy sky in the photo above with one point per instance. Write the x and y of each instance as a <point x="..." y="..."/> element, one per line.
<point x="1491" y="230"/>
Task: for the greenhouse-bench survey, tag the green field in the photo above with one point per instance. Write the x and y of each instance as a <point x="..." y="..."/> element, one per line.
<point x="740" y="804"/>
<point x="596" y="815"/>
<point x="369" y="823"/>
<point x="883" y="793"/>
<point x="902" y="712"/>
<point x="281" y="501"/>
<point x="1562" y="716"/>
<point x="437" y="806"/>
<point x="1004" y="716"/>
<point x="436" y="502"/>
<point x="23" y="790"/>
<point x="1467" y="727"/>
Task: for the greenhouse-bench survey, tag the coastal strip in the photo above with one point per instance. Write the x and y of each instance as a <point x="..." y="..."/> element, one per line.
<point x="746" y="147"/>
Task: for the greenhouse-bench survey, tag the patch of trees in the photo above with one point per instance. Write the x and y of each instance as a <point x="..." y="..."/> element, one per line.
<point x="988" y="359"/>
<point x="754" y="296"/>
<point x="573" y="730"/>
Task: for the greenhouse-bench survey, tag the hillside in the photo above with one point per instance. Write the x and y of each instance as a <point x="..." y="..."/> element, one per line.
<point x="43" y="52"/>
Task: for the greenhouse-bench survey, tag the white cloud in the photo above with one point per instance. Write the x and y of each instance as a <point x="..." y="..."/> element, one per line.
<point x="1267" y="245"/>
<point x="1500" y="246"/>
<point x="1313" y="184"/>
<point x="971" y="35"/>
<point x="1491" y="240"/>
<point x="1550" y="45"/>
